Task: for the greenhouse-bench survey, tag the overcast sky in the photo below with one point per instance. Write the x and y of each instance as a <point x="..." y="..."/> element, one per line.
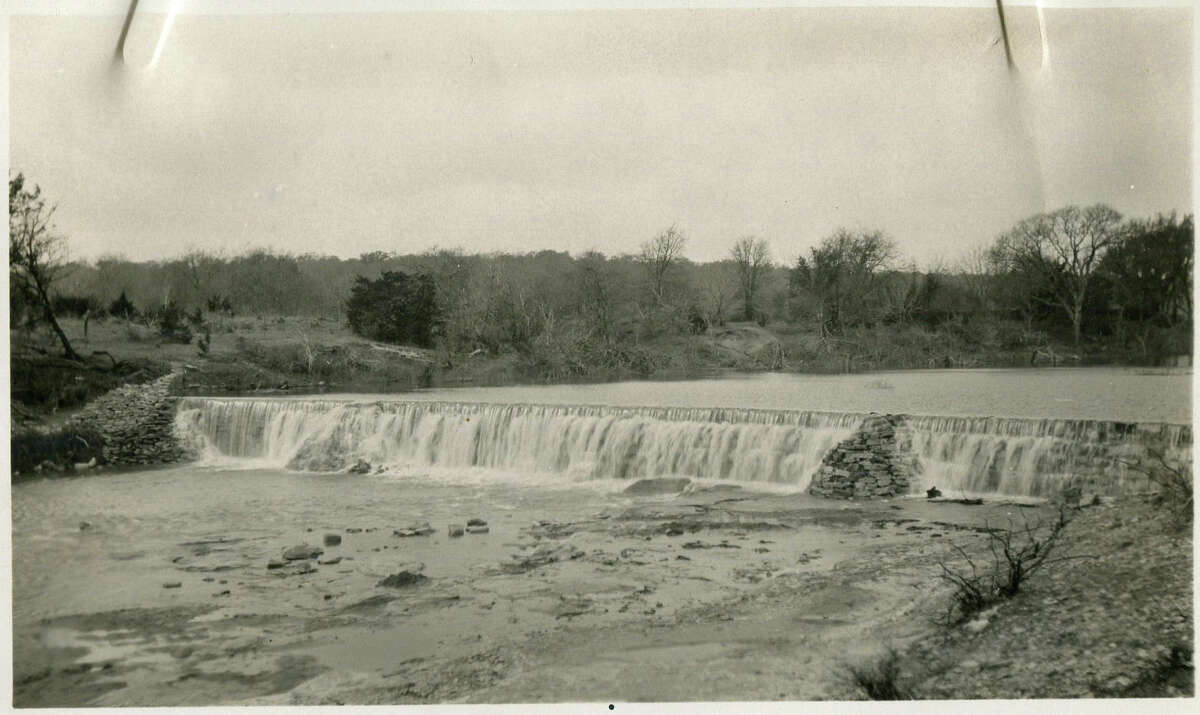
<point x="576" y="130"/>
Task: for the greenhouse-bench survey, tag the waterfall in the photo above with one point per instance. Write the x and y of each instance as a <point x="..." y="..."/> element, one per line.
<point x="972" y="455"/>
<point x="578" y="442"/>
<point x="1037" y="457"/>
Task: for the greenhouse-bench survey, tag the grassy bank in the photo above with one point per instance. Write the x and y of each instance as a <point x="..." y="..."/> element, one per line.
<point x="250" y="354"/>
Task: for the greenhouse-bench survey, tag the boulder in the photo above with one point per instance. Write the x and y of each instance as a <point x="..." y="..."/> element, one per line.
<point x="276" y="564"/>
<point x="422" y="529"/>
<point x="302" y="552"/>
<point x="541" y="556"/>
<point x="455" y="530"/>
<point x="402" y="579"/>
<point x="477" y="529"/>
<point x="476" y="522"/>
<point x="361" y="467"/>
<point x="650" y="487"/>
<point x="333" y="539"/>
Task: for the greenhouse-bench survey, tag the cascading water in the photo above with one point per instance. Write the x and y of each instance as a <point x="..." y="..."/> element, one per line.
<point x="579" y="442"/>
<point x="972" y="455"/>
<point x="1037" y="457"/>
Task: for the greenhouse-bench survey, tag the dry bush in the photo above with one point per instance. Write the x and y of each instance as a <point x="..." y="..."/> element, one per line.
<point x="1017" y="553"/>
<point x="1174" y="482"/>
<point x="879" y="677"/>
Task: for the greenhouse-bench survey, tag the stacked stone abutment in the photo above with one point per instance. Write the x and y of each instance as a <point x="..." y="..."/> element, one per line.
<point x="868" y="465"/>
<point x="137" y="423"/>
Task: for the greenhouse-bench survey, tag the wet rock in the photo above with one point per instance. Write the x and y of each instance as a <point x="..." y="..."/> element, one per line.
<point x="702" y="545"/>
<point x="477" y="529"/>
<point x="402" y="579"/>
<point x="173" y="584"/>
<point x="650" y="487"/>
<point x="422" y="529"/>
<point x="868" y="465"/>
<point x="543" y="555"/>
<point x="933" y="493"/>
<point x="137" y="423"/>
<point x="361" y="467"/>
<point x="476" y="522"/>
<point x="302" y="552"/>
<point x="455" y="530"/>
<point x="333" y="539"/>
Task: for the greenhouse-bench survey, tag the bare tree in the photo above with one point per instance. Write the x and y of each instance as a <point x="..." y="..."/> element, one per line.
<point x="596" y="286"/>
<point x="1059" y="253"/>
<point x="752" y="257"/>
<point x="659" y="254"/>
<point x="978" y="271"/>
<point x="36" y="255"/>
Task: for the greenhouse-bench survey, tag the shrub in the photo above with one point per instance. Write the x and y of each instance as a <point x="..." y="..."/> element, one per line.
<point x="123" y="308"/>
<point x="1017" y="554"/>
<point x="878" y="678"/>
<point x="76" y="305"/>
<point x="1174" y="482"/>
<point x="697" y="322"/>
<point x="396" y="308"/>
<point x="172" y="323"/>
<point x="64" y="448"/>
<point x="220" y="304"/>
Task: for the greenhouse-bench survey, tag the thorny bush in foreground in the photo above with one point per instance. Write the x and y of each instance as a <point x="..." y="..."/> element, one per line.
<point x="1017" y="552"/>
<point x="1174" y="482"/>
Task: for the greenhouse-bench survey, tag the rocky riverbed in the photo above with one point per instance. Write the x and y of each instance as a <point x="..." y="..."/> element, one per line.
<point x="711" y="594"/>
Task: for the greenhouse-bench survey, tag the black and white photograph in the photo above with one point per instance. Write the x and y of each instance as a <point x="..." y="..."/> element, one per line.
<point x="601" y="357"/>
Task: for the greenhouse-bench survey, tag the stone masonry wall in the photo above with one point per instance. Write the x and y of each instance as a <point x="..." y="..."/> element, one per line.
<point x="137" y="423"/>
<point x="868" y="465"/>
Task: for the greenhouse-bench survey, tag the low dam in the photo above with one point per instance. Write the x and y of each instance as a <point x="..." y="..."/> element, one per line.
<point x="1010" y="456"/>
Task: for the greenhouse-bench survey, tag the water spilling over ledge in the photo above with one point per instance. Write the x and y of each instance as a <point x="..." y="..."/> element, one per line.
<point x="1028" y="457"/>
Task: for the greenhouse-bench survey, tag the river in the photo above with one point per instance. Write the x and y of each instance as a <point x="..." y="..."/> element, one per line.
<point x="92" y="555"/>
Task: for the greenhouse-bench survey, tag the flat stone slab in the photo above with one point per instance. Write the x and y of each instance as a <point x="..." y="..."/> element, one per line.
<point x="651" y="487"/>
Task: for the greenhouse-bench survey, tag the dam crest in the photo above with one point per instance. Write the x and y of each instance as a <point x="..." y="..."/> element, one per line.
<point x="971" y="455"/>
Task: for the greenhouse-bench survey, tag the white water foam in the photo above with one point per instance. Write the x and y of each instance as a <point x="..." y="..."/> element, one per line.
<point x="574" y="443"/>
<point x="556" y="444"/>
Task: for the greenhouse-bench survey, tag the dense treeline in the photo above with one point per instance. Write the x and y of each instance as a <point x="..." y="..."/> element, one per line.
<point x="1073" y="275"/>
